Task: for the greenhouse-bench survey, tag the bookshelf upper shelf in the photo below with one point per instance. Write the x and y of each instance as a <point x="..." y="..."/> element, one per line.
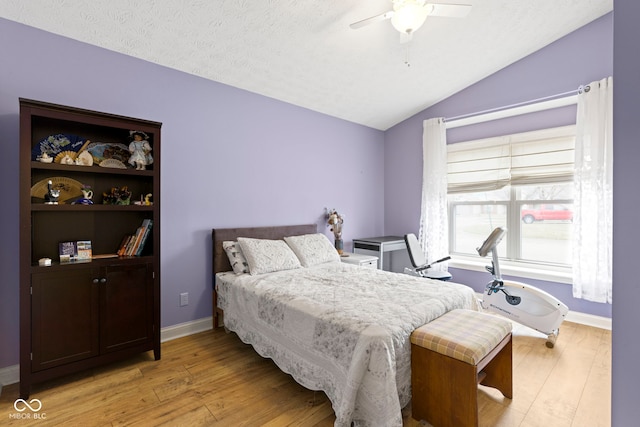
<point x="90" y="169"/>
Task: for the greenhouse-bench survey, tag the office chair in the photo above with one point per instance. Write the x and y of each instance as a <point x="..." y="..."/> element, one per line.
<point x="419" y="261"/>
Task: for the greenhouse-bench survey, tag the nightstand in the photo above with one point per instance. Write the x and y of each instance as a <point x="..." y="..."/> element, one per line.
<point x="368" y="261"/>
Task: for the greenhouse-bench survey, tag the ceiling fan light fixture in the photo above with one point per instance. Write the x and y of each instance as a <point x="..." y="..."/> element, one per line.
<point x="409" y="16"/>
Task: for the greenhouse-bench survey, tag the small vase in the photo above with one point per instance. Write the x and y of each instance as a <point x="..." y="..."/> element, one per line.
<point x="339" y="244"/>
<point x="86" y="200"/>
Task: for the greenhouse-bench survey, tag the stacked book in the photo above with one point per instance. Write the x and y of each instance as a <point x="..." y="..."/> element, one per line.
<point x="133" y="244"/>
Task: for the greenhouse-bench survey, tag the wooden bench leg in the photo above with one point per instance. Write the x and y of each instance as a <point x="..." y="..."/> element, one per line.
<point x="499" y="371"/>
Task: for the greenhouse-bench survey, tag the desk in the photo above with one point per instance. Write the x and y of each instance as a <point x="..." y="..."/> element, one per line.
<point x="381" y="245"/>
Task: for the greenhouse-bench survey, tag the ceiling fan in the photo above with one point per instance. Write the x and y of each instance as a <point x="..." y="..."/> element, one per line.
<point x="409" y="15"/>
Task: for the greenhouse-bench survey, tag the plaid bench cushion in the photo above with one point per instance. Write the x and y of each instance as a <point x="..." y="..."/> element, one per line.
<point x="465" y="335"/>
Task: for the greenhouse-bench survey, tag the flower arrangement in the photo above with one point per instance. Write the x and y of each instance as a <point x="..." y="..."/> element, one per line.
<point x="335" y="220"/>
<point x="117" y="196"/>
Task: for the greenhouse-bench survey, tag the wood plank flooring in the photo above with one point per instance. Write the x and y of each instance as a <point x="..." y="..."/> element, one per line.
<point x="213" y="379"/>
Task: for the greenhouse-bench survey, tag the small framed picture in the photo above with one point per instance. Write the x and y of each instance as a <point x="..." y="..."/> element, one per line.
<point x="83" y="250"/>
<point x="68" y="251"/>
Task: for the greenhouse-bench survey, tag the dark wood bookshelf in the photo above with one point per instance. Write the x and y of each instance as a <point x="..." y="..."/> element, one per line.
<point x="82" y="314"/>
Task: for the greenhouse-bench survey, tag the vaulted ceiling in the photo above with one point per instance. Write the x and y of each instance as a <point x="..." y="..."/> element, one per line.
<point x="303" y="52"/>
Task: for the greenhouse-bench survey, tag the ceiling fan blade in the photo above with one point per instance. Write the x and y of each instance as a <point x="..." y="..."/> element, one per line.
<point x="365" y="22"/>
<point x="449" y="10"/>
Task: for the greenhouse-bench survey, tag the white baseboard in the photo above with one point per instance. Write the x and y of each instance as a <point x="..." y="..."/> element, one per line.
<point x="589" y="320"/>
<point x="184" y="329"/>
<point x="11" y="374"/>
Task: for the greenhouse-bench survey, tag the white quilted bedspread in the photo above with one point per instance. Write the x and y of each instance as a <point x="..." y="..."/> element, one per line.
<point x="340" y="328"/>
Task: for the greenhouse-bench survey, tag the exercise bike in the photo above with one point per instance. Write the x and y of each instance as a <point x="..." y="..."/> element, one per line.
<point x="520" y="302"/>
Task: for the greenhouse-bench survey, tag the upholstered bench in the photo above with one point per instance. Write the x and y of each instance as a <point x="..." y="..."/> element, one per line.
<point x="449" y="357"/>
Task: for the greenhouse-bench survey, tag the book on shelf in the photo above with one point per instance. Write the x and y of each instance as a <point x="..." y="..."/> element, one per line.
<point x="130" y="243"/>
<point x="133" y="244"/>
<point x="103" y="256"/>
<point x="146" y="224"/>
<point x="135" y="241"/>
<point x="123" y="244"/>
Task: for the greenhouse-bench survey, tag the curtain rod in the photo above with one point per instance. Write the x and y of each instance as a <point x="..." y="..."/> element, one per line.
<point x="540" y="104"/>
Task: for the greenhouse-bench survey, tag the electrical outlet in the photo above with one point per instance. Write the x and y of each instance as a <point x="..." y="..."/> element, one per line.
<point x="184" y="299"/>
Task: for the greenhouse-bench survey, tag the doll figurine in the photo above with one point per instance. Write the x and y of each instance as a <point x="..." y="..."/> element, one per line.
<point x="140" y="149"/>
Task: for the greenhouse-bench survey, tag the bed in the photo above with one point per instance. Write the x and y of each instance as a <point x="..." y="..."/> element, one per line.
<point x="333" y="326"/>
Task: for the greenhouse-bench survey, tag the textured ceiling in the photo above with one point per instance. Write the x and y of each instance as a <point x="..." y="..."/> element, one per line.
<point x="303" y="51"/>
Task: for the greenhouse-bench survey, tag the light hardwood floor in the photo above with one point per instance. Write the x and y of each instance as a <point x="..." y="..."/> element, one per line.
<point x="213" y="379"/>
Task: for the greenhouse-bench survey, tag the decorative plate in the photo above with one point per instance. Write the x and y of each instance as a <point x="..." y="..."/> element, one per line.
<point x="54" y="144"/>
<point x="112" y="163"/>
<point x="109" y="150"/>
<point x="69" y="188"/>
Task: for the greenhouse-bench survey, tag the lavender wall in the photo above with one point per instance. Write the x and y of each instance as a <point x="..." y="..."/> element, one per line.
<point x="625" y="373"/>
<point x="579" y="58"/>
<point x="230" y="158"/>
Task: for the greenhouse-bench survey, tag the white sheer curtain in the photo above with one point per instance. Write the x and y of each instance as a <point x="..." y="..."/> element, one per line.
<point x="593" y="197"/>
<point x="434" y="235"/>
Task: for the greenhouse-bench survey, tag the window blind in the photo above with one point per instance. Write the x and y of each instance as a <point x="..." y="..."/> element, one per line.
<point x="526" y="158"/>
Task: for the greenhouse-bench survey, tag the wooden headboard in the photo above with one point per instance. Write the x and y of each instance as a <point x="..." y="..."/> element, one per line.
<point x="221" y="261"/>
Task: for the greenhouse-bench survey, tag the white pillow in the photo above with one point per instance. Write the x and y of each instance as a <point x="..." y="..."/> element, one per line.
<point x="313" y="249"/>
<point x="266" y="256"/>
<point x="236" y="258"/>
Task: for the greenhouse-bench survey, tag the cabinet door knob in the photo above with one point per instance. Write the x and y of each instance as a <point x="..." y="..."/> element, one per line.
<point x="95" y="280"/>
<point x="103" y="280"/>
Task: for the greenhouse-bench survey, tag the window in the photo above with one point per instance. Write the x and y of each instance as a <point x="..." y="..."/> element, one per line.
<point x="522" y="182"/>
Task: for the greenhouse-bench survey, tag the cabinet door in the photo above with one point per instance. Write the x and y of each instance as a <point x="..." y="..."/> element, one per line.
<point x="64" y="317"/>
<point x="126" y="312"/>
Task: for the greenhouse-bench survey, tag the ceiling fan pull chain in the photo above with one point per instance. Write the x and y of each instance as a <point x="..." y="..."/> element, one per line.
<point x="406" y="57"/>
